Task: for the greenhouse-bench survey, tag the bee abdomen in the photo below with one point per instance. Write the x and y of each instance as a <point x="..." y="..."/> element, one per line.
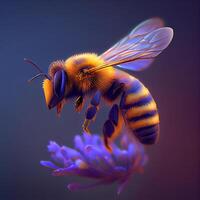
<point x="141" y="112"/>
<point x="148" y="134"/>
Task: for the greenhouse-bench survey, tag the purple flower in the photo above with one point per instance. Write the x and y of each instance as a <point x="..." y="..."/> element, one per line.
<point x="91" y="159"/>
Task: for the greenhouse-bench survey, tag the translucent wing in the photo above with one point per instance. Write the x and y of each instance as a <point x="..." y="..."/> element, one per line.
<point x="137" y="50"/>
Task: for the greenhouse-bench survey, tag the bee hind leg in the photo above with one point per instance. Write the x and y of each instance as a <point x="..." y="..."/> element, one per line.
<point x="112" y="127"/>
<point x="91" y="111"/>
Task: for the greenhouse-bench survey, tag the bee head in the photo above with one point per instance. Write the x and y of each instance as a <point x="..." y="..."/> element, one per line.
<point x="53" y="85"/>
<point x="54" y="89"/>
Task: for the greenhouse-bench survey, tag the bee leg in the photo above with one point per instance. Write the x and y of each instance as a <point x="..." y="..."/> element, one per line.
<point x="85" y="126"/>
<point x="112" y="126"/>
<point x="91" y="111"/>
<point x="90" y="114"/>
<point x="79" y="103"/>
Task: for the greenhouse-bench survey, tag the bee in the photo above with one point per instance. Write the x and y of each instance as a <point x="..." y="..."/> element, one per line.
<point x="97" y="77"/>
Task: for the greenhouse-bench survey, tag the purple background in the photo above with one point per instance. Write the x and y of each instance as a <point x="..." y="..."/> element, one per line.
<point x="50" y="30"/>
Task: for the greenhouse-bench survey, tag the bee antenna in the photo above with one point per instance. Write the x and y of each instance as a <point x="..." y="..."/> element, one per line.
<point x="34" y="64"/>
<point x="38" y="68"/>
<point x="37" y="75"/>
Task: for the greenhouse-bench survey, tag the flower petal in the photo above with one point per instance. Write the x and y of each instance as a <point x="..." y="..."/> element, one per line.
<point x="98" y="160"/>
<point x="53" y="147"/>
<point x="70" y="153"/>
<point x="78" y="143"/>
<point x="48" y="164"/>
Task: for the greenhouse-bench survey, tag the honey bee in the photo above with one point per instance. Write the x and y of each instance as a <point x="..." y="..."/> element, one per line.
<point x="100" y="77"/>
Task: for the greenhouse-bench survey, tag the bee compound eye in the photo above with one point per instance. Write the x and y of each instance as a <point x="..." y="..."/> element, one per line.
<point x="59" y="82"/>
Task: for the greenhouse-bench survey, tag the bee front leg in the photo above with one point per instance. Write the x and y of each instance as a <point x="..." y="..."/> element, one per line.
<point x="79" y="103"/>
<point x="91" y="111"/>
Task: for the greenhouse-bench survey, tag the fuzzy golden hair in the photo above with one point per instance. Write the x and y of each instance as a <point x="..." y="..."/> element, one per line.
<point x="100" y="80"/>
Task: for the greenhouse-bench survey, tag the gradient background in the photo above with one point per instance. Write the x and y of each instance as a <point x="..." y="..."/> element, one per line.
<point x="49" y="30"/>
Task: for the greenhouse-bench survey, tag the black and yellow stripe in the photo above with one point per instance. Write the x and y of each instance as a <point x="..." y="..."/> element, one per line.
<point x="141" y="112"/>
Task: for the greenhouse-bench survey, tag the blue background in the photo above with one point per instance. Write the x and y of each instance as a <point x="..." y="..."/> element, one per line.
<point x="50" y="30"/>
